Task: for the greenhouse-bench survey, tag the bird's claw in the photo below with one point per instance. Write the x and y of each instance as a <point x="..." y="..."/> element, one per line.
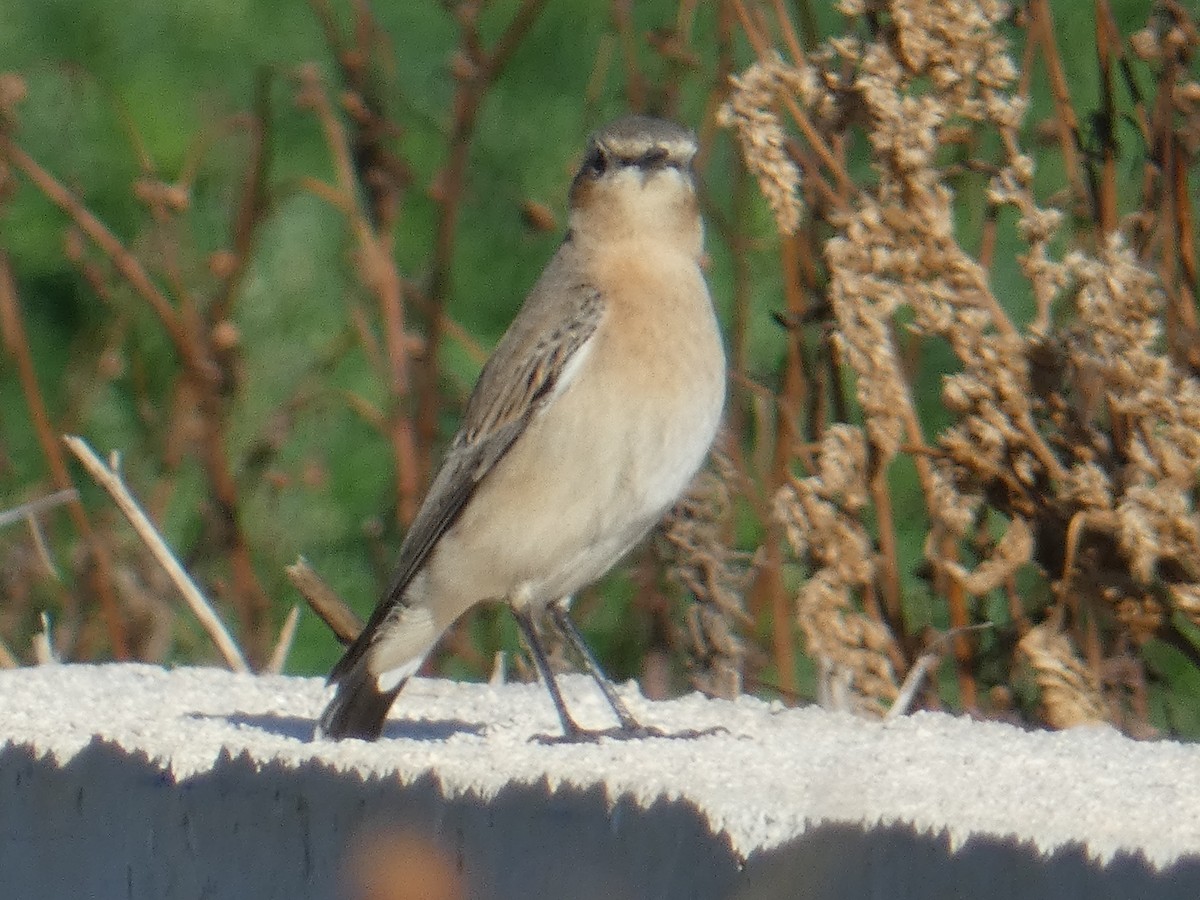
<point x="580" y="735"/>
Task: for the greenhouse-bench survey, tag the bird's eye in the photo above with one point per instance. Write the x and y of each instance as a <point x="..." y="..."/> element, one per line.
<point x="596" y="163"/>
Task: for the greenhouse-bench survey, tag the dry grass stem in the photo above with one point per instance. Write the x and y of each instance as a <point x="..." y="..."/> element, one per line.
<point x="499" y="674"/>
<point x="287" y="636"/>
<point x="917" y="673"/>
<point x="110" y="479"/>
<point x="33" y="507"/>
<point x="44" y="653"/>
<point x="324" y="601"/>
<point x="925" y="664"/>
<point x="41" y="548"/>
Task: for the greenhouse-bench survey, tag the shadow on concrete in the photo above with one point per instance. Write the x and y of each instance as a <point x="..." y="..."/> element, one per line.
<point x="845" y="862"/>
<point x="301" y="728"/>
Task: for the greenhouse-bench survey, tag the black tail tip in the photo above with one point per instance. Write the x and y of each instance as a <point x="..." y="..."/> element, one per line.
<point x="357" y="710"/>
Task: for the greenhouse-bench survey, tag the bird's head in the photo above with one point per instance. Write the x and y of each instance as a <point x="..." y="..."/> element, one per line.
<point x="636" y="183"/>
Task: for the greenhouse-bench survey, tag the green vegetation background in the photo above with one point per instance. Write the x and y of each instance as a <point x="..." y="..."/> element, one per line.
<point x="107" y="75"/>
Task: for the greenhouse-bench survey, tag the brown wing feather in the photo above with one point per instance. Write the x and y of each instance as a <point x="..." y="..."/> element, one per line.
<point x="514" y="385"/>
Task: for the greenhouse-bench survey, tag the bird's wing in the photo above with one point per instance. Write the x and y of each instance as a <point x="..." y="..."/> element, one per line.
<point x="528" y="368"/>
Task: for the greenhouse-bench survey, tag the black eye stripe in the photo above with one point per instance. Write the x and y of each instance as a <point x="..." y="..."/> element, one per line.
<point x="596" y="162"/>
<point x="657" y="158"/>
<point x="600" y="160"/>
<point x="653" y="158"/>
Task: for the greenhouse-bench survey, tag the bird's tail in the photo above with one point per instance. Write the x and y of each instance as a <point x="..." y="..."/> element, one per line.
<point x="359" y="707"/>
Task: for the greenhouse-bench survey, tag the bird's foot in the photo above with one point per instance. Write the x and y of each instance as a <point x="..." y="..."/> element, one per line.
<point x="635" y="732"/>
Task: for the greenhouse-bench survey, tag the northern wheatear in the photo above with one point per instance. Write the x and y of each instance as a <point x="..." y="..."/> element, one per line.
<point x="587" y="423"/>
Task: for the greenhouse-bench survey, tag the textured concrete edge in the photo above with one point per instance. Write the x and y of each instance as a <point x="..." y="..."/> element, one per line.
<point x="135" y="782"/>
<point x="111" y="822"/>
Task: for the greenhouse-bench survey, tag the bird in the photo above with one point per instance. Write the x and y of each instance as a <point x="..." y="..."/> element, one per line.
<point x="593" y="414"/>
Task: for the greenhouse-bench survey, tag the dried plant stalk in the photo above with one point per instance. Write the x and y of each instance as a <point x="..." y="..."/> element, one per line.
<point x="701" y="561"/>
<point x="1071" y="694"/>
<point x="287" y="636"/>
<point x="33" y="507"/>
<point x="12" y="331"/>
<point x="344" y="622"/>
<point x="109" y="479"/>
<point x="1079" y="429"/>
<point x="821" y="518"/>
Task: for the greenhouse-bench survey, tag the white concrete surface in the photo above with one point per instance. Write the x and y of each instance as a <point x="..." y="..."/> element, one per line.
<point x="136" y="782"/>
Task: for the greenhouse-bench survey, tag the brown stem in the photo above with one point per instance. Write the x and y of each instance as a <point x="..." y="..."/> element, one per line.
<point x="889" y="566"/>
<point x="379" y="274"/>
<point x="1182" y="325"/>
<point x="769" y="589"/>
<point x="738" y="241"/>
<point x="101" y="573"/>
<point x="474" y="82"/>
<point x="324" y="601"/>
<point x="960" y="621"/>
<point x="1016" y="609"/>
<point x="791" y="400"/>
<point x="769" y="585"/>
<point x="813" y="179"/>
<point x="789" y="32"/>
<point x="253" y="604"/>
<point x="1185" y="229"/>
<point x="1041" y="27"/>
<point x="1106" y="35"/>
<point x="635" y="81"/>
<point x="124" y="261"/>
<point x="251" y="203"/>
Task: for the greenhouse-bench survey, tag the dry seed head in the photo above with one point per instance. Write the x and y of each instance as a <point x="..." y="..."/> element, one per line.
<point x="1087" y="487"/>
<point x="702" y="562"/>
<point x="1013" y="551"/>
<point x="1156" y="522"/>
<point x="842" y="466"/>
<point x="848" y="642"/>
<point x="1186" y="599"/>
<point x="1105" y="423"/>
<point x="817" y="529"/>
<point x="1146" y="45"/>
<point x="1142" y="616"/>
<point x="750" y="111"/>
<point x="954" y="509"/>
<point x="1115" y="339"/>
<point x="1071" y="694"/>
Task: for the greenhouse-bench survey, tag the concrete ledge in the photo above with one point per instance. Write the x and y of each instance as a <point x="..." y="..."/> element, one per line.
<point x="135" y="782"/>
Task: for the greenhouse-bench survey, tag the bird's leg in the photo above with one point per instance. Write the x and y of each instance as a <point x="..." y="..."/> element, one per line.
<point x="562" y="619"/>
<point x="630" y="727"/>
<point x="572" y="730"/>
